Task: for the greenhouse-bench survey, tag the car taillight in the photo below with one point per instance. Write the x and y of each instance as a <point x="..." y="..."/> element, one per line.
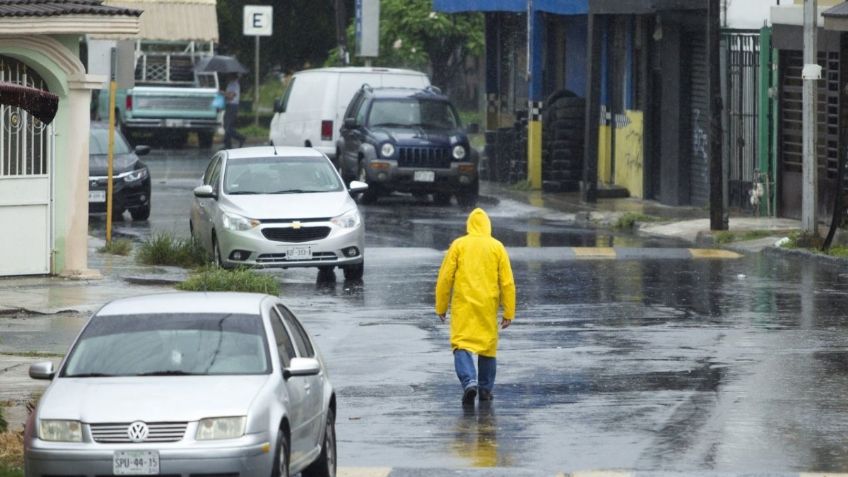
<point x="129" y="103"/>
<point x="326" y="130"/>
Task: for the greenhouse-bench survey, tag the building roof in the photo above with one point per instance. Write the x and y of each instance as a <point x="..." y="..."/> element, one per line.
<point x="52" y="8"/>
<point x="839" y="11"/>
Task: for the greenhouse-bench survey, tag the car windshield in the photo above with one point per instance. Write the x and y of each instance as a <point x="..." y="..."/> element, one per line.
<point x="412" y="112"/>
<point x="170" y="344"/>
<point x="278" y="175"/>
<point x="99" y="143"/>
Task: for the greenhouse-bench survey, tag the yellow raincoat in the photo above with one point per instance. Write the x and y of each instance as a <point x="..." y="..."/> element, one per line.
<point x="476" y="268"/>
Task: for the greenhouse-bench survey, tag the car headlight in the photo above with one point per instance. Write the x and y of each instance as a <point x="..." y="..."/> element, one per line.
<point x="238" y="223"/>
<point x="60" y="431"/>
<point x="348" y="220"/>
<point x="134" y="176"/>
<point x="220" y="428"/>
<point x="387" y="150"/>
<point x="459" y="152"/>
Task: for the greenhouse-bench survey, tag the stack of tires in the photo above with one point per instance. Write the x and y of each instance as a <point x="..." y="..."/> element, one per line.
<point x="563" y="125"/>
<point x="518" y="161"/>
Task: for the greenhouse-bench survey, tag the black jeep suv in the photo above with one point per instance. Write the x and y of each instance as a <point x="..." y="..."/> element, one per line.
<point x="407" y="140"/>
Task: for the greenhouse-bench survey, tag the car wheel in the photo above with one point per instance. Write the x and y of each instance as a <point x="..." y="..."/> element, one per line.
<point x="467" y="198"/>
<point x="281" y="457"/>
<point x="354" y="272"/>
<point x="216" y="253"/>
<point x="325" y="464"/>
<point x="141" y="213"/>
<point x="204" y="139"/>
<point x="442" y="198"/>
<point x="370" y="195"/>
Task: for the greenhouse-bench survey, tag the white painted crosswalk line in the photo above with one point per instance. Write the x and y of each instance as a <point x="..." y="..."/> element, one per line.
<point x="363" y="472"/>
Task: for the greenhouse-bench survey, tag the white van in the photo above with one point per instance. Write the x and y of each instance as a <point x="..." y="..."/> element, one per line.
<point x="312" y="106"/>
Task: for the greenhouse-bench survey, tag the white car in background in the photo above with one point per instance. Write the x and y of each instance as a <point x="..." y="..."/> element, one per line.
<point x="278" y="207"/>
<point x="186" y="384"/>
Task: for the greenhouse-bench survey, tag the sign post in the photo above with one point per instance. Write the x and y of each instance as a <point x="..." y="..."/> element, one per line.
<point x="258" y="21"/>
<point x="121" y="70"/>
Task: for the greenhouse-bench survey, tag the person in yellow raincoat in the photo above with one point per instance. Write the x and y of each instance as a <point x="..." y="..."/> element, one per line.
<point x="476" y="278"/>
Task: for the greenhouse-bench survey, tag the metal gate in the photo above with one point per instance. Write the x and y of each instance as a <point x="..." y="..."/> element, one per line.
<point x="791" y="131"/>
<point x="742" y="103"/>
<point x="26" y="160"/>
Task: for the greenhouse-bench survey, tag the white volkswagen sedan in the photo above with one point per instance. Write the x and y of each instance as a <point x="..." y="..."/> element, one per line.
<point x="278" y="207"/>
<point x="186" y="384"/>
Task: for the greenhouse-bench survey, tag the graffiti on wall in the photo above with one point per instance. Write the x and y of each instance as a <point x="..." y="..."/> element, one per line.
<point x="629" y="159"/>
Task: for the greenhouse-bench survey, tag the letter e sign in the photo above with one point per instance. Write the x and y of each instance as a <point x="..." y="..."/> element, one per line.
<point x="258" y="20"/>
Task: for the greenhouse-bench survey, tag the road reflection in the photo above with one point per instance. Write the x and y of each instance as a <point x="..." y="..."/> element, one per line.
<point x="476" y="437"/>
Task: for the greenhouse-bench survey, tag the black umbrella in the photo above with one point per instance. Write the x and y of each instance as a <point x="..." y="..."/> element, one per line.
<point x="220" y="64"/>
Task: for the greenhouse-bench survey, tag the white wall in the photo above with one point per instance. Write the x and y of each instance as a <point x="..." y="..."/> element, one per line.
<point x="750" y="14"/>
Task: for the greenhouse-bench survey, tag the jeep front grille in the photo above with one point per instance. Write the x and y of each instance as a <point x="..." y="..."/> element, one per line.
<point x="429" y="157"/>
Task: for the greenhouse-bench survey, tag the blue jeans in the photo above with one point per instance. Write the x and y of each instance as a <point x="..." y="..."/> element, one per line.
<point x="464" y="363"/>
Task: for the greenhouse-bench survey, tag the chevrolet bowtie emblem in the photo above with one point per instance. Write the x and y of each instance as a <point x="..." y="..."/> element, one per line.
<point x="296" y="225"/>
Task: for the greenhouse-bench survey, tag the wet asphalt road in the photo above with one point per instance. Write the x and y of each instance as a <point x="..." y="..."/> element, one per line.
<point x="662" y="365"/>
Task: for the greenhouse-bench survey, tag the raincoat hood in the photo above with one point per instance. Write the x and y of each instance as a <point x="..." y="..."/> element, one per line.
<point x="479" y="223"/>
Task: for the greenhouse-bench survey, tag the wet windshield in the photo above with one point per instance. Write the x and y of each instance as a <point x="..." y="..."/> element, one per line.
<point x="276" y="175"/>
<point x="170" y="344"/>
<point x="99" y="144"/>
<point x="412" y="112"/>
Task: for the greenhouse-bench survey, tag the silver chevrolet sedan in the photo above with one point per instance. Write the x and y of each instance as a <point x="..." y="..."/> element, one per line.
<point x="186" y="384"/>
<point x="278" y="207"/>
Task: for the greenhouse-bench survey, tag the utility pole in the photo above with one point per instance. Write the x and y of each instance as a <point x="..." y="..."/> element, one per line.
<point x="811" y="74"/>
<point x="718" y="216"/>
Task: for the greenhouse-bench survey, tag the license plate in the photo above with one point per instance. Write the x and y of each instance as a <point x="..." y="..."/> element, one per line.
<point x="135" y="463"/>
<point x="174" y="123"/>
<point x="424" y="176"/>
<point x="97" y="196"/>
<point x="298" y="253"/>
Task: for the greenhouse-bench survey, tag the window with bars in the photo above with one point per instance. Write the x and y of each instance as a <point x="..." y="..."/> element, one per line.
<point x="25" y="142"/>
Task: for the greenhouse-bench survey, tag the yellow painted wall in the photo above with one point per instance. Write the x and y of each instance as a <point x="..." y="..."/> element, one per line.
<point x="605" y="154"/>
<point x="629" y="160"/>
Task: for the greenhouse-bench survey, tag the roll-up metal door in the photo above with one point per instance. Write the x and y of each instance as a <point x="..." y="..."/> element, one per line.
<point x="699" y="165"/>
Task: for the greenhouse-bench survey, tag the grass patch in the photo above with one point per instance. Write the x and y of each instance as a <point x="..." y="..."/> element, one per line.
<point x="4" y="426"/>
<point x="165" y="249"/>
<point x="11" y="450"/>
<point x="33" y="354"/>
<point x="802" y="239"/>
<point x="841" y="252"/>
<point x="521" y="186"/>
<point x="117" y="247"/>
<point x="726" y="236"/>
<point x="238" y="280"/>
<point x="8" y="470"/>
<point x="629" y="220"/>
<point x="254" y="131"/>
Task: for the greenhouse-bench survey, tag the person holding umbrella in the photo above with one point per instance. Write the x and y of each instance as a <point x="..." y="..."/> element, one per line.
<point x="232" y="94"/>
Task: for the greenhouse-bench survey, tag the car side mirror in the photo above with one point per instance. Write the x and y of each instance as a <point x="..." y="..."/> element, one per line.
<point x="278" y="105"/>
<point x="205" y="192"/>
<point x="350" y="123"/>
<point x="472" y="128"/>
<point x="42" y="370"/>
<point x="302" y="367"/>
<point x="142" y="150"/>
<point x="357" y="186"/>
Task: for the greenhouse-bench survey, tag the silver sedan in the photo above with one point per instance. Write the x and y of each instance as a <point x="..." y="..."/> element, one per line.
<point x="278" y="207"/>
<point x="186" y="384"/>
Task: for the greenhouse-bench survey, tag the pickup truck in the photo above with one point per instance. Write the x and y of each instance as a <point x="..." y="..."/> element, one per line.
<point x="169" y="100"/>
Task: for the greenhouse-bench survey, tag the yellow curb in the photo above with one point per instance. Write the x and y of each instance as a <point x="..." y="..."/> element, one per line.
<point x="594" y="252"/>
<point x="363" y="472"/>
<point x="713" y="253"/>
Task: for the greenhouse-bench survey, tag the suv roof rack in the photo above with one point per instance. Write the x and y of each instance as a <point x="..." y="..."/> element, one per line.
<point x="367" y="87"/>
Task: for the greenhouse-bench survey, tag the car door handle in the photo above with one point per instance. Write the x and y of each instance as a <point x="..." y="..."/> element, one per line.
<point x="307" y="387"/>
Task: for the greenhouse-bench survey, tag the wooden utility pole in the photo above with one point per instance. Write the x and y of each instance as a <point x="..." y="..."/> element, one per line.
<point x="718" y="214"/>
<point x="811" y="74"/>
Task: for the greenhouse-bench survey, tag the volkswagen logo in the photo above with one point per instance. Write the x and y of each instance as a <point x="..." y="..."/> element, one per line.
<point x="138" y="431"/>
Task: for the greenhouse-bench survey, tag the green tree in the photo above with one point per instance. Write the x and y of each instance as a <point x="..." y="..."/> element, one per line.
<point x="414" y="36"/>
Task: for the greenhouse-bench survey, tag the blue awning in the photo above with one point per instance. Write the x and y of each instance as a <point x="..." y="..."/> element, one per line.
<point x="559" y="7"/>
